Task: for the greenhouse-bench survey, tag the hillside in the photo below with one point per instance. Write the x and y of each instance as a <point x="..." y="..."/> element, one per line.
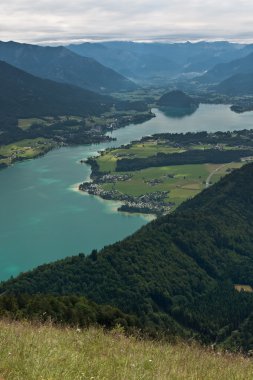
<point x="61" y="65"/>
<point x="177" y="99"/>
<point x="22" y="96"/>
<point x="226" y="70"/>
<point x="176" y="273"/>
<point x="67" y="310"/>
<point x="239" y="84"/>
<point x="71" y="354"/>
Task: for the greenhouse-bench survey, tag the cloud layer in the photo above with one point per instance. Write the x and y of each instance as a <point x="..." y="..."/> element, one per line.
<point x="62" y="21"/>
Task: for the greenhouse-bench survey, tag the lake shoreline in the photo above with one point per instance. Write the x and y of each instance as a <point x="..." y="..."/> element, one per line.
<point x="113" y="205"/>
<point x="104" y="138"/>
<point x="51" y="222"/>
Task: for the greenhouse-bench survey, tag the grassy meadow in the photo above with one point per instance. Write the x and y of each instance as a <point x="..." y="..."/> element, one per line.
<point x="25" y="149"/>
<point x="25" y="124"/>
<point x="182" y="181"/>
<point x="33" y="352"/>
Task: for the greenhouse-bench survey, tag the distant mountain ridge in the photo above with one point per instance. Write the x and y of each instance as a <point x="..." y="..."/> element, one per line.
<point x="61" y="65"/>
<point x="224" y="71"/>
<point x="236" y="85"/>
<point x="153" y="60"/>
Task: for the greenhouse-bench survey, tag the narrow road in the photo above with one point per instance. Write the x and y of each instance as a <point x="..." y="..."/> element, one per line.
<point x="214" y="172"/>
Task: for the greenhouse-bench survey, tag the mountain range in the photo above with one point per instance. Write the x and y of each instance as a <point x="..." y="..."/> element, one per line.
<point x="106" y="67"/>
<point x="142" y="61"/>
<point x="61" y="65"/>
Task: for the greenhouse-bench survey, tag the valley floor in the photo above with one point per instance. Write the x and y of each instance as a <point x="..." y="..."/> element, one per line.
<point x="144" y="177"/>
<point x="34" y="352"/>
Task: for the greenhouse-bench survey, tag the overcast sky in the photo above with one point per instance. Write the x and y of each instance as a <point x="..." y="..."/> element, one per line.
<point x="62" y="21"/>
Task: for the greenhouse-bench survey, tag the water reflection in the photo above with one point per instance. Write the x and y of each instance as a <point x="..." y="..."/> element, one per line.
<point x="178" y="113"/>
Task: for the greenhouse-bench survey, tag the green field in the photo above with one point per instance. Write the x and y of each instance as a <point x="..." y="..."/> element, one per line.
<point x="25" y="149"/>
<point x="140" y="94"/>
<point x="187" y="181"/>
<point x="107" y="160"/>
<point x="104" y="121"/>
<point x="181" y="181"/>
<point x="25" y="124"/>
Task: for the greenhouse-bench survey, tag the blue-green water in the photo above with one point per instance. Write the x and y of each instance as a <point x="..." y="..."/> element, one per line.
<point x="43" y="217"/>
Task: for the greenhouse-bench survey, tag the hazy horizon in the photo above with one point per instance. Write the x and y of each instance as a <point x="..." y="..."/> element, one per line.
<point x="61" y="22"/>
<point x="107" y="39"/>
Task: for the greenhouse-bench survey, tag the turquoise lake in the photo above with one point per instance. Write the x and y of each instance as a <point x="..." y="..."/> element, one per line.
<point x="45" y="218"/>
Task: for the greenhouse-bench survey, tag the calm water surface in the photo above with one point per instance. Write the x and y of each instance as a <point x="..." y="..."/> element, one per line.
<point x="43" y="218"/>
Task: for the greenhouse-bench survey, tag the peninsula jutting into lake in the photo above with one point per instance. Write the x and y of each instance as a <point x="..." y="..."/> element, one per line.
<point x="151" y="174"/>
<point x="45" y="194"/>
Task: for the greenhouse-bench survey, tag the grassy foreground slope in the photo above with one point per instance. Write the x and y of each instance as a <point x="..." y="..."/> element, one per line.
<point x="46" y="352"/>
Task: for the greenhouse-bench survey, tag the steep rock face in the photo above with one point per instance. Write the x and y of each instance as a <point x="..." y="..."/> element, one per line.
<point x="62" y="65"/>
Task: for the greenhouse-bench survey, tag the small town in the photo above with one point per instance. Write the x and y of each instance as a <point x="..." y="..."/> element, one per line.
<point x="153" y="203"/>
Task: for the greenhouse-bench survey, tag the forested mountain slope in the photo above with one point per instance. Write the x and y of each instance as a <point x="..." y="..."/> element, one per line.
<point x="177" y="99"/>
<point x="176" y="273"/>
<point x="62" y="65"/>
<point x="239" y="84"/>
<point x="24" y="95"/>
<point x="224" y="71"/>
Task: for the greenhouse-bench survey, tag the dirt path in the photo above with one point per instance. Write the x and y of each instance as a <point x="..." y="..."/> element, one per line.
<point x="214" y="172"/>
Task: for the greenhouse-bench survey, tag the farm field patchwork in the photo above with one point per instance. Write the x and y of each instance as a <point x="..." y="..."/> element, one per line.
<point x="180" y="181"/>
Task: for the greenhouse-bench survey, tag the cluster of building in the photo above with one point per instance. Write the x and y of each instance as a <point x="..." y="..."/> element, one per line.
<point x="95" y="189"/>
<point x="153" y="203"/>
<point x="112" y="178"/>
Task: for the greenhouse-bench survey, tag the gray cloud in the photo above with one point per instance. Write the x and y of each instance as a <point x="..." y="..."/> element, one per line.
<point x="62" y="21"/>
